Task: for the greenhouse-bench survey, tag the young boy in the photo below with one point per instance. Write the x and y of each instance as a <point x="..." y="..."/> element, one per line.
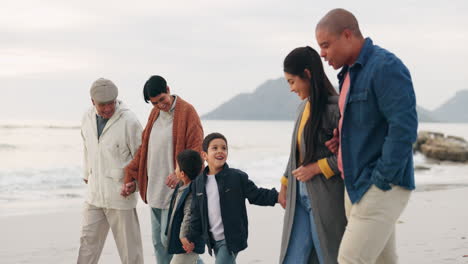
<point x="219" y="215"/>
<point x="188" y="166"/>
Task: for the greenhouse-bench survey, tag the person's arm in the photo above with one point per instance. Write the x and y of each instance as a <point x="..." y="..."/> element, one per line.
<point x="284" y="183"/>
<point x="284" y="179"/>
<point x="194" y="131"/>
<point x="193" y="140"/>
<point x="397" y="103"/>
<point x="306" y="172"/>
<point x="85" y="160"/>
<point x="133" y="141"/>
<point x="256" y="195"/>
<point x="195" y="229"/>
<point x="131" y="170"/>
<point x="185" y="226"/>
<point x="328" y="165"/>
<point x="133" y="135"/>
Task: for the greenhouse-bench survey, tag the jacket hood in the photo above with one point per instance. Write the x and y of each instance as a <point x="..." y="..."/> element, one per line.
<point x="120" y="108"/>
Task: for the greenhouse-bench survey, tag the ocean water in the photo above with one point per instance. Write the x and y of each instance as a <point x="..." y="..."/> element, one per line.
<point x="40" y="162"/>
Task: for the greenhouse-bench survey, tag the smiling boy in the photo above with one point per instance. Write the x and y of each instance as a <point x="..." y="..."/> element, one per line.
<point x="219" y="214"/>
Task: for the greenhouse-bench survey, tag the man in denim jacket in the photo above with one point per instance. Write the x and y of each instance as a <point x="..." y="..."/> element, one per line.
<point x="377" y="128"/>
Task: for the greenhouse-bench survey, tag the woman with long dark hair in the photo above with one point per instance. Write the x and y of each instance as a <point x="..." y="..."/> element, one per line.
<point x="311" y="188"/>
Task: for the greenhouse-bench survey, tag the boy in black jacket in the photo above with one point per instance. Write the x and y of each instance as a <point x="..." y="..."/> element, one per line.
<point x="188" y="166"/>
<point x="219" y="215"/>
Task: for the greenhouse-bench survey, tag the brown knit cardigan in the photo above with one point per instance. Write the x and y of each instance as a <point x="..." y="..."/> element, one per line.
<point x="187" y="133"/>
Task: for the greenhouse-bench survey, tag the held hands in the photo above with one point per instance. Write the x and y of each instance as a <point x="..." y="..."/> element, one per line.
<point x="282" y="196"/>
<point x="334" y="142"/>
<point x="128" y="188"/>
<point x="307" y="172"/>
<point x="172" y="181"/>
<point x="187" y="245"/>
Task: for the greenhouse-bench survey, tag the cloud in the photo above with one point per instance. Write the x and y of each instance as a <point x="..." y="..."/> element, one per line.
<point x="212" y="50"/>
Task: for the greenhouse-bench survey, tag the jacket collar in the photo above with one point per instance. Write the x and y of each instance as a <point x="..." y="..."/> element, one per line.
<point x="116" y="116"/>
<point x="362" y="59"/>
<point x="207" y="169"/>
<point x="365" y="53"/>
<point x="119" y="108"/>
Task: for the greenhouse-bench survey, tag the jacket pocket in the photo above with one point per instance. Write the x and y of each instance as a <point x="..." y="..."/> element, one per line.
<point x="357" y="97"/>
<point x="120" y="152"/>
<point x="359" y="109"/>
<point x="117" y="174"/>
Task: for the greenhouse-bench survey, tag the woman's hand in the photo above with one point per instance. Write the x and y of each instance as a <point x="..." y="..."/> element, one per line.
<point x="282" y="196"/>
<point x="307" y="172"/>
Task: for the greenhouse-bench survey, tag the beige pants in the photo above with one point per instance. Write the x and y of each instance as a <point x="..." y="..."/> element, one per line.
<point x="370" y="234"/>
<point x="125" y="228"/>
<point x="187" y="258"/>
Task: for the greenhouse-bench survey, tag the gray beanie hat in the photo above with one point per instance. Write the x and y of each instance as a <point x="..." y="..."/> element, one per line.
<point x="103" y="91"/>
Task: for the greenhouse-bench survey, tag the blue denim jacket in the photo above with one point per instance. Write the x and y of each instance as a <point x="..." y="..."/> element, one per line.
<point x="380" y="123"/>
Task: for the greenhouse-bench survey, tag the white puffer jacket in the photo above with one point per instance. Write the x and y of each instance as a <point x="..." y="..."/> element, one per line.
<point x="106" y="158"/>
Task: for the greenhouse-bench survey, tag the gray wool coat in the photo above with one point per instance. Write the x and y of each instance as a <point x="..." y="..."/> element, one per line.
<point x="328" y="194"/>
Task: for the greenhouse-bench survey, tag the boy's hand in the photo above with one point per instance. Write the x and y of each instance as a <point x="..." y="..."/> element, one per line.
<point x="282" y="196"/>
<point x="172" y="181"/>
<point x="128" y="189"/>
<point x="187" y="245"/>
<point x="334" y="142"/>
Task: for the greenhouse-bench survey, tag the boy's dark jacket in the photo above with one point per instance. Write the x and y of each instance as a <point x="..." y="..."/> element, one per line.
<point x="174" y="244"/>
<point x="234" y="187"/>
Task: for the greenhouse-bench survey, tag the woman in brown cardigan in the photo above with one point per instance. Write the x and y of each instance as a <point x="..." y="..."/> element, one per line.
<point x="172" y="127"/>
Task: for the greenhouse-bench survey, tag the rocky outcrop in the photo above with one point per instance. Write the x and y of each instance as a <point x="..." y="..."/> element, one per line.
<point x="438" y="146"/>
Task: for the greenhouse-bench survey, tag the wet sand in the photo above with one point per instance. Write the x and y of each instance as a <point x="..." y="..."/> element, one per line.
<point x="432" y="230"/>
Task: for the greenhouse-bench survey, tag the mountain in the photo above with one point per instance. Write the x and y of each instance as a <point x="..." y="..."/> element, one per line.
<point x="270" y="101"/>
<point x="454" y="110"/>
<point x="273" y="100"/>
<point x="425" y="115"/>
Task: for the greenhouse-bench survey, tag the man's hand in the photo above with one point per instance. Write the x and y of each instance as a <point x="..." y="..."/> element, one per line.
<point x="187" y="245"/>
<point x="128" y="189"/>
<point x="307" y="172"/>
<point x="282" y="196"/>
<point x="334" y="142"/>
<point x="172" y="181"/>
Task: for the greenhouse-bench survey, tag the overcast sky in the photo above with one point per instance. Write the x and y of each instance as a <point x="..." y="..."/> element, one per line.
<point x="208" y="51"/>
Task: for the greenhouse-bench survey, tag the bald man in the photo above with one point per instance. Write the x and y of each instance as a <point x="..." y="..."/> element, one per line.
<point x="377" y="128"/>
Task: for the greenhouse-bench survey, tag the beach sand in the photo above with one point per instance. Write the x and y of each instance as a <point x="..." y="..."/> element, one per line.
<point x="432" y="230"/>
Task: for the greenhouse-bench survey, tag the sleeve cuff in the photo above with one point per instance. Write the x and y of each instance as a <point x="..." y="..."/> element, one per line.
<point x="284" y="181"/>
<point x="325" y="168"/>
<point x="380" y="182"/>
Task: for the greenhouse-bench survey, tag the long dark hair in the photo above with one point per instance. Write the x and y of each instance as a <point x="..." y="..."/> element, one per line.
<point x="296" y="63"/>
